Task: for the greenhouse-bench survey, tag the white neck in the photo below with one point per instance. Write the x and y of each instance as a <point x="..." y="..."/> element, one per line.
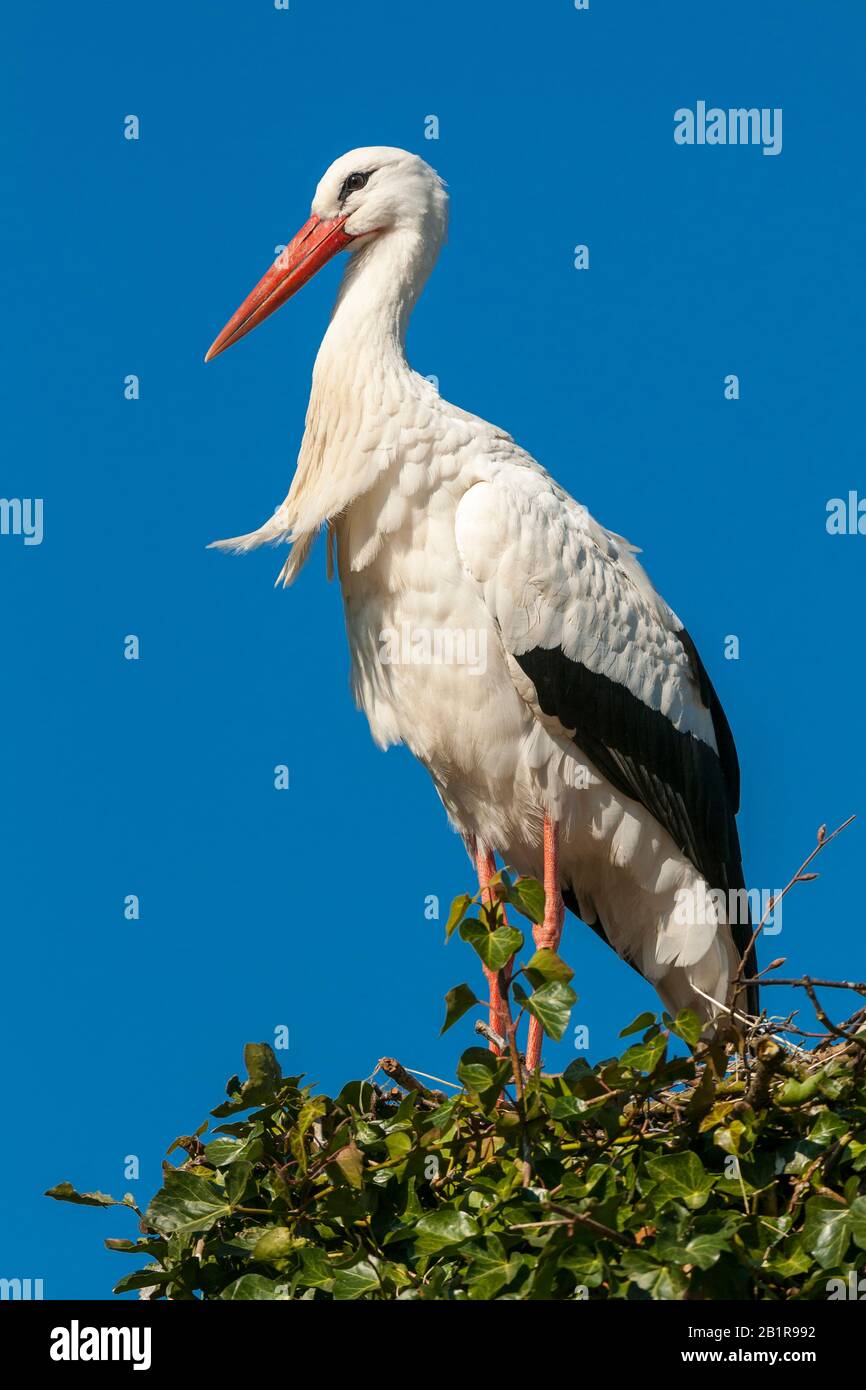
<point x="361" y="378"/>
<point x="378" y="292"/>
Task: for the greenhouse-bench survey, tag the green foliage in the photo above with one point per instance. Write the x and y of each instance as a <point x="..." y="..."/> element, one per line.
<point x="661" y="1174"/>
<point x="623" y="1180"/>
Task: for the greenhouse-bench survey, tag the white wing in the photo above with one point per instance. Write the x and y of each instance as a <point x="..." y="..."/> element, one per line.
<point x="595" y="651"/>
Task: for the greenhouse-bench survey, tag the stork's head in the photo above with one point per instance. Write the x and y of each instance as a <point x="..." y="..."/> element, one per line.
<point x="367" y="194"/>
<point x="380" y="189"/>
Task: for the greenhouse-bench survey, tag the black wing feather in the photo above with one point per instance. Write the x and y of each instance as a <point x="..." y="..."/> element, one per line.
<point x="692" y="791"/>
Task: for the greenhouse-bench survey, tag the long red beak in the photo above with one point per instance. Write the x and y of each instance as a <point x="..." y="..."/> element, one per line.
<point x="313" y="246"/>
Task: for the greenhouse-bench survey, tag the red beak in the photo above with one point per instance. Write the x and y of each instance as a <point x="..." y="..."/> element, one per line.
<point x="313" y="246"/>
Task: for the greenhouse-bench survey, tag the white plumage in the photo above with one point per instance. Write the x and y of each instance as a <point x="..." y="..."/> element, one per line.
<point x="592" y="708"/>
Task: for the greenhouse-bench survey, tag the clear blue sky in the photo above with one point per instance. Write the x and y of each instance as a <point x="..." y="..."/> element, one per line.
<point x="305" y="908"/>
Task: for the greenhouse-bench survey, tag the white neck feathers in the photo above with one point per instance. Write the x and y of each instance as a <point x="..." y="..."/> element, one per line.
<point x="363" y="390"/>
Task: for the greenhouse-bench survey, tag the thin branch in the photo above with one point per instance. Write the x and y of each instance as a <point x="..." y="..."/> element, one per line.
<point x="589" y="1222"/>
<point x="487" y="1032"/>
<point x="788" y="1027"/>
<point x="428" y="1077"/>
<point x="800" y="876"/>
<point x="517" y="1070"/>
<point x="397" y="1072"/>
<point x="857" y="986"/>
<point x="831" y="1027"/>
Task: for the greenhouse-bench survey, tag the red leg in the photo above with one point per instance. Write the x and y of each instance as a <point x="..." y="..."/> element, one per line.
<point x="485" y="864"/>
<point x="550" y="930"/>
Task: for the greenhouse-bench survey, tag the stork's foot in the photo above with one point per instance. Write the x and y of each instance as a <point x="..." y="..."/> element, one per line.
<point x="546" y="935"/>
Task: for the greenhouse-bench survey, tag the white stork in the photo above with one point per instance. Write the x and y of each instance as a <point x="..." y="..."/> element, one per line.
<point x="592" y="751"/>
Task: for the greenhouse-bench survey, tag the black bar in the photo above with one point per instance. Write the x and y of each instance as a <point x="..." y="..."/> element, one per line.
<point x="218" y="1337"/>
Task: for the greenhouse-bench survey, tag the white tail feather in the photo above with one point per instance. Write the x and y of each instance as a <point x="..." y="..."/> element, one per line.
<point x="275" y="530"/>
<point x="295" y="560"/>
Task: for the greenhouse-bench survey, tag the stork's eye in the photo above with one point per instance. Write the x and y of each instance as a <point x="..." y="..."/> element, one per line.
<point x="353" y="184"/>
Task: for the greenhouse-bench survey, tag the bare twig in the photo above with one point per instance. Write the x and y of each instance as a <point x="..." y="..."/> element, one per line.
<point x="799" y="877"/>
<point x="856" y="985"/>
<point x="517" y="1070"/>
<point x="487" y="1032"/>
<point x="427" y="1077"/>
<point x="589" y="1222"/>
<point x="809" y="986"/>
<point x="788" y="1027"/>
<point x="397" y="1072"/>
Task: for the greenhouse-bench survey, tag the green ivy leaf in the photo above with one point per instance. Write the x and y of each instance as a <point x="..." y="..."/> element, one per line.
<point x="152" y="1276"/>
<point x="221" y="1151"/>
<point x="350" y="1162"/>
<point x="687" y="1026"/>
<point x="701" y="1249"/>
<point x="795" y="1092"/>
<point x="459" y="908"/>
<point x="357" y="1281"/>
<point x="186" y="1203"/>
<point x="680" y="1177"/>
<point x="527" y="895"/>
<point x="316" y="1270"/>
<point x="584" y="1264"/>
<point x="642" y="1021"/>
<point x="491" y="1269"/>
<point x="264" y="1074"/>
<point x="155" y="1248"/>
<point x="65" y="1192"/>
<point x="646" y="1055"/>
<point x="826" y="1231"/>
<point x="458" y="1001"/>
<point x="827" y="1128"/>
<point x="356" y="1095"/>
<point x="546" y="965"/>
<point x="494" y="947"/>
<point x="858" y="1221"/>
<point x="659" y="1281"/>
<point x="254" y="1287"/>
<point x="552" y="1005"/>
<point x="440" y="1229"/>
<point x="480" y="1070"/>
<point x="237" y="1179"/>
